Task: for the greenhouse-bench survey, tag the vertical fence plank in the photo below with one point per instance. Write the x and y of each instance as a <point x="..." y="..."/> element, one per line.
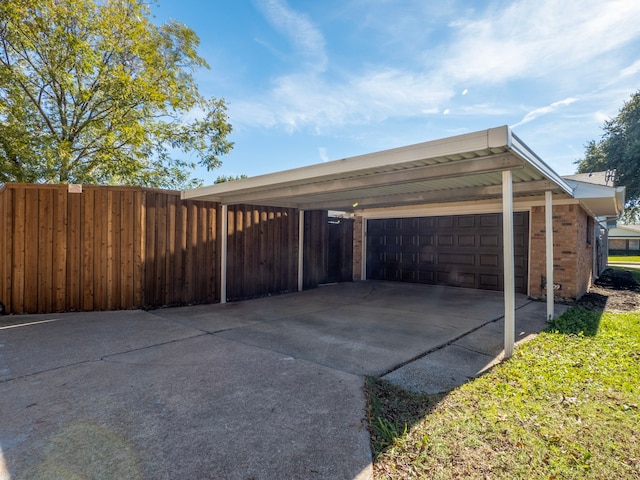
<point x="181" y="248"/>
<point x="150" y="249"/>
<point x="212" y="291"/>
<point x="127" y="229"/>
<point x="88" y="251"/>
<point x="74" y="252"/>
<point x="101" y="258"/>
<point x="139" y="246"/>
<point x="161" y="250"/>
<point x="60" y="249"/>
<point x="170" y="287"/>
<point x="6" y="246"/>
<point x="31" y="231"/>
<point x="18" y="261"/>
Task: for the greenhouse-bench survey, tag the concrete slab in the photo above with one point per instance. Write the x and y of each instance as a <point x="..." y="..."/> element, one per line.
<point x="201" y="407"/>
<point x="355" y="339"/>
<point x="268" y="388"/>
<point x="470" y="355"/>
<point x="441" y="370"/>
<point x="37" y="343"/>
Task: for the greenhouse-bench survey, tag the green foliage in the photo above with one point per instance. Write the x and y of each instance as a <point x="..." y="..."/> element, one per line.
<point x="230" y="178"/>
<point x="577" y="321"/>
<point x="564" y="406"/>
<point x="92" y="91"/>
<point x="619" y="149"/>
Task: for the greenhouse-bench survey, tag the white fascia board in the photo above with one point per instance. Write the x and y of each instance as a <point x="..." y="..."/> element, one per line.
<point x="591" y="190"/>
<point x="590" y="193"/>
<point x="519" y="147"/>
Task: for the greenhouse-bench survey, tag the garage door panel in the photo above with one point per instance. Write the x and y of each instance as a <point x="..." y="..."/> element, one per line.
<point x="467" y="240"/>
<point x="465" y="222"/>
<point x="493" y="220"/>
<point x="489" y="240"/>
<point x="489" y="260"/>
<point x="489" y="282"/>
<point x="460" y="250"/>
<point x="444" y="222"/>
<point x="457" y="258"/>
<point x="445" y="240"/>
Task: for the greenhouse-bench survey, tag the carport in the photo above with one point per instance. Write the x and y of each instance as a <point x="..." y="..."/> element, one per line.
<point x="463" y="170"/>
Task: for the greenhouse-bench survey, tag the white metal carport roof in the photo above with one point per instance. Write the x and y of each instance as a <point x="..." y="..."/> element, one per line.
<point x="491" y="163"/>
<point x="464" y="167"/>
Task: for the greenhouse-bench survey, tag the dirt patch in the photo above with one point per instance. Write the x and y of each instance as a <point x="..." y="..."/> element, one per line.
<point x="616" y="290"/>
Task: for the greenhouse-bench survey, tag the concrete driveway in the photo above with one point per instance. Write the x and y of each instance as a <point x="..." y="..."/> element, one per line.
<point x="261" y="389"/>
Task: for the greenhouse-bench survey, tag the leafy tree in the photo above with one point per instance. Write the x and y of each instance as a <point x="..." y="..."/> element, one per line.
<point x="91" y="91"/>
<point x="230" y="178"/>
<point x="619" y="149"/>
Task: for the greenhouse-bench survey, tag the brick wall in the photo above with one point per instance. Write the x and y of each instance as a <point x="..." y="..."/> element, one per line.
<point x="573" y="256"/>
<point x="617" y="244"/>
<point x="585" y="252"/>
<point x="357" y="249"/>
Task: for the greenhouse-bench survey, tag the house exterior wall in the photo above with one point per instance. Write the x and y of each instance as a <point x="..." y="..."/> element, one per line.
<point x="618" y="244"/>
<point x="573" y="254"/>
<point x="624" y="245"/>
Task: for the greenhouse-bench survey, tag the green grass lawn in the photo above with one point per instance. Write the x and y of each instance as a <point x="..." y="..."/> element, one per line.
<point x="565" y="406"/>
<point x="625" y="259"/>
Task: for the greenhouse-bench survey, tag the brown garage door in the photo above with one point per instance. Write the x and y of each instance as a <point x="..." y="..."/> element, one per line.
<point x="458" y="250"/>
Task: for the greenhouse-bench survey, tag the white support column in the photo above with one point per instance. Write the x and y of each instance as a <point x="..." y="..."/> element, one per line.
<point x="300" y="250"/>
<point x="548" y="222"/>
<point x="509" y="284"/>
<point x="224" y="222"/>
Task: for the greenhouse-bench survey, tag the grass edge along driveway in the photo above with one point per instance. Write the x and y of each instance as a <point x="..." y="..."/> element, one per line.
<point x="565" y="406"/>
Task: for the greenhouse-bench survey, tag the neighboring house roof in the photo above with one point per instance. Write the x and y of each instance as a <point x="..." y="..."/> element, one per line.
<point x="625" y="232"/>
<point x="462" y="168"/>
<point x="597" y="178"/>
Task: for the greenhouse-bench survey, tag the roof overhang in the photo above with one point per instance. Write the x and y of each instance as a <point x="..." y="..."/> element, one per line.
<point x="599" y="200"/>
<point x="460" y="168"/>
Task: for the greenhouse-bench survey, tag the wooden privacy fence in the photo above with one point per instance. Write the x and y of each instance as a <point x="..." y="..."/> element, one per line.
<point x="105" y="248"/>
<point x="110" y="248"/>
<point x="262" y="251"/>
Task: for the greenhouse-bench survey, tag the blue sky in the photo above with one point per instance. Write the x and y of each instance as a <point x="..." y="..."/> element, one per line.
<point x="311" y="81"/>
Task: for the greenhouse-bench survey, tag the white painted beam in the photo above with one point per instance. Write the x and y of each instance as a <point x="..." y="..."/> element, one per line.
<point x="224" y="222"/>
<point x="548" y="221"/>
<point x="509" y="283"/>
<point x="300" y="250"/>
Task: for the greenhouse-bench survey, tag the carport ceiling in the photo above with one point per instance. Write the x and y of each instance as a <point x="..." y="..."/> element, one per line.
<point x="464" y="167"/>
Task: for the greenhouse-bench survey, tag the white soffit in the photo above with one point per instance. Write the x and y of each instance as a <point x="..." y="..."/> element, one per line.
<point x="600" y="200"/>
<point x="464" y="167"/>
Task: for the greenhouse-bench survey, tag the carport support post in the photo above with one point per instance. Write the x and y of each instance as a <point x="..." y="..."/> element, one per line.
<point x="548" y="220"/>
<point x="300" y="249"/>
<point x="509" y="284"/>
<point x="224" y="223"/>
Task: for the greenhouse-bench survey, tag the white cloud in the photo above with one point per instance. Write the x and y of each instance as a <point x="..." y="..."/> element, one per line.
<point x="528" y="41"/>
<point x="532" y="38"/>
<point x="322" y="151"/>
<point x="539" y="112"/>
<point x="631" y="69"/>
<point x="305" y="37"/>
